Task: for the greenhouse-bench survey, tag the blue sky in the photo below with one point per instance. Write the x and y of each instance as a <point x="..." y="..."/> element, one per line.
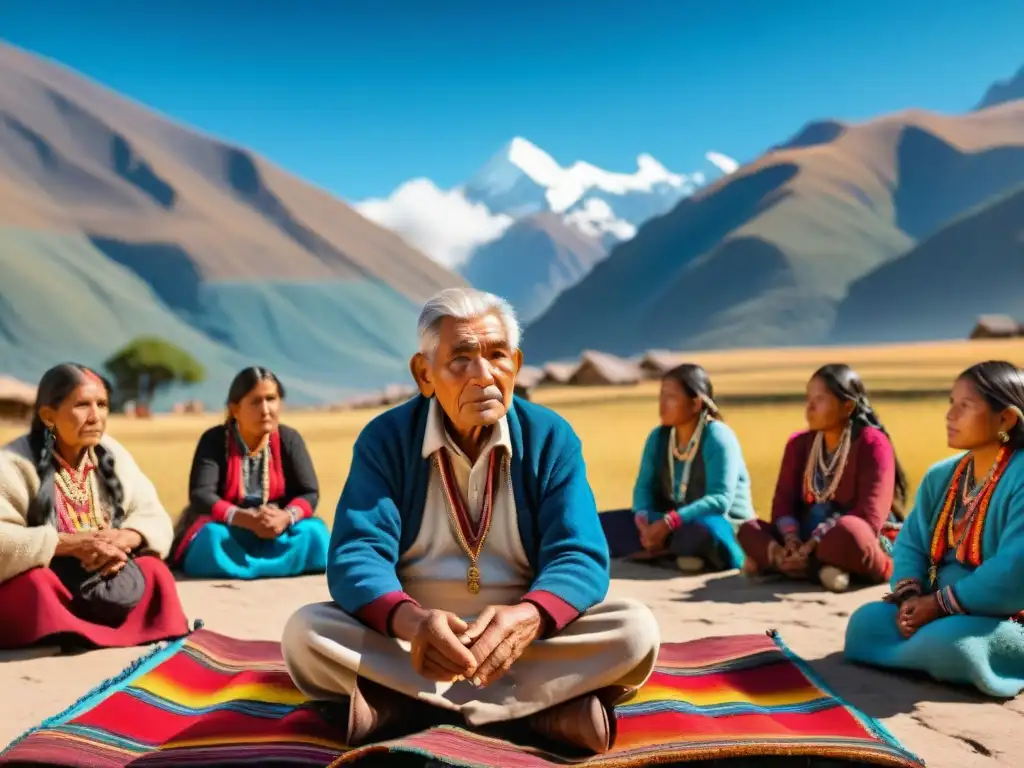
<point x="358" y="97"/>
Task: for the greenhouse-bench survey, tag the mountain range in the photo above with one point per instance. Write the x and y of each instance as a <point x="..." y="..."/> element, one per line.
<point x="851" y="233"/>
<point x="555" y="223"/>
<point x="117" y="222"/>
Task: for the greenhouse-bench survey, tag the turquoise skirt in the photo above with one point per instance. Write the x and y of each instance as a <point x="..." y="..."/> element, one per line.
<point x="221" y="551"/>
<point x="985" y="652"/>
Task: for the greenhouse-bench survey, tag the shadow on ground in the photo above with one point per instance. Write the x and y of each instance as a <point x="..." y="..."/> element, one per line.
<point x="882" y="694"/>
<point x="738" y="590"/>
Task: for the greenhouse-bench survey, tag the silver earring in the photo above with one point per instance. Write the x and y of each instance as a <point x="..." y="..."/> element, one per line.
<point x="1004" y="437"/>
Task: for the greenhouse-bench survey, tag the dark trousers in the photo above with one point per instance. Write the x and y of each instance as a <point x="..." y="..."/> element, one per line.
<point x="689" y="540"/>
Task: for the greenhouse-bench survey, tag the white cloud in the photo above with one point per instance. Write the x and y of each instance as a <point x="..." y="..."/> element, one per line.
<point x="597" y="219"/>
<point x="442" y="224"/>
<point x="724" y="163"/>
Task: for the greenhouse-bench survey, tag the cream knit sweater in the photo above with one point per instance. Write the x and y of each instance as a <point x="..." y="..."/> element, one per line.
<point x="23" y="547"/>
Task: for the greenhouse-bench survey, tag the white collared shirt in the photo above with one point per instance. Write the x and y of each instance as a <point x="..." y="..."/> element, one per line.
<point x="433" y="569"/>
<point x="471" y="478"/>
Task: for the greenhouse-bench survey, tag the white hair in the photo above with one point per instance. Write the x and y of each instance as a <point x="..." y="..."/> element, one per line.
<point x="464" y="304"/>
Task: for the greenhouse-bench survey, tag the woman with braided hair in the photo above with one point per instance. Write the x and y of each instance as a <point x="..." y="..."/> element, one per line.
<point x="956" y="610"/>
<point x="253" y="493"/>
<point x="840" y="493"/>
<point x="693" y="487"/>
<point x="82" y="531"/>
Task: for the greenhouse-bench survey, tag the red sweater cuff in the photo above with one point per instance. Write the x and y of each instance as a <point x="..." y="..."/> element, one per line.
<point x="377" y="614"/>
<point x="559" y="614"/>
<point x="304" y="510"/>
<point x="220" y="511"/>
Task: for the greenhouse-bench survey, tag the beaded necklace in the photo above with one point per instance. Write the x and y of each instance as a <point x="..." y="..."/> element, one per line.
<point x="830" y="469"/>
<point x="471" y="537"/>
<point x="686" y="455"/>
<point x="965" y="543"/>
<point x="78" y="493"/>
<point x="264" y="463"/>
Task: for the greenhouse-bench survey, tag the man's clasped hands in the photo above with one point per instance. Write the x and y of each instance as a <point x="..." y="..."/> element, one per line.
<point x="445" y="648"/>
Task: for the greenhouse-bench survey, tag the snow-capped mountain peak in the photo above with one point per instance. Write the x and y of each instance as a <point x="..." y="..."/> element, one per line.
<point x="531" y="160"/>
<point x="522" y="180"/>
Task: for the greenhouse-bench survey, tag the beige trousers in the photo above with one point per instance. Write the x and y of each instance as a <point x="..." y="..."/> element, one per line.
<point x="613" y="644"/>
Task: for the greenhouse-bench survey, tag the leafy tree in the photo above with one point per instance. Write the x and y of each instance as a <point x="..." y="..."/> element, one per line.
<point x="149" y="363"/>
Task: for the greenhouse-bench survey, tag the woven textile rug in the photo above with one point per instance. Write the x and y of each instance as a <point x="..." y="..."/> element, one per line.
<point x="210" y="700"/>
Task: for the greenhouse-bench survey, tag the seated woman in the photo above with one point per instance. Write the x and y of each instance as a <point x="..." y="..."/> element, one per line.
<point x="955" y="611"/>
<point x="82" y="532"/>
<point x="693" y="488"/>
<point x="839" y="496"/>
<point x="253" y="491"/>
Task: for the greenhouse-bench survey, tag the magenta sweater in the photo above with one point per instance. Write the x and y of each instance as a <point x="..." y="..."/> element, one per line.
<point x="865" y="490"/>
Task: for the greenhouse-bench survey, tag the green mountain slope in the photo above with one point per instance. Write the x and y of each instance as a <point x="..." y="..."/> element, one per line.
<point x="115" y="221"/>
<point x="765" y="256"/>
<point x="973" y="266"/>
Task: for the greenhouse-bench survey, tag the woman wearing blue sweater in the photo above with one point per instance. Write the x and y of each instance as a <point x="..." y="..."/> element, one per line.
<point x="693" y="488"/>
<point x="956" y="610"/>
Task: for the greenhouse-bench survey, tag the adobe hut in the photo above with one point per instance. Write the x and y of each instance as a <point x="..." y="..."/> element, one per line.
<point x="995" y="327"/>
<point x="394" y="394"/>
<point x="528" y="378"/>
<point x="603" y="369"/>
<point x="16" y="399"/>
<point x="558" y="373"/>
<point x="657" y="362"/>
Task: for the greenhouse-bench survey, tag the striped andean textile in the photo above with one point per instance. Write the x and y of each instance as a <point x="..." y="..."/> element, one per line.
<point x="210" y="700"/>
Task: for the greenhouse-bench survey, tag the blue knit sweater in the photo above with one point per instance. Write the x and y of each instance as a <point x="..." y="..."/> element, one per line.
<point x="381" y="507"/>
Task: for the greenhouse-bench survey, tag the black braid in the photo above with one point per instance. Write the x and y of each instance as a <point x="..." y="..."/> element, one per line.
<point x="54" y="387"/>
<point x="41" y="510"/>
<point x="865" y="416"/>
<point x="843" y="382"/>
<point x="112" y="484"/>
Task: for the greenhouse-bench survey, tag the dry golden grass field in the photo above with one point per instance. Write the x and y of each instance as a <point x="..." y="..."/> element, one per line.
<point x="613" y="422"/>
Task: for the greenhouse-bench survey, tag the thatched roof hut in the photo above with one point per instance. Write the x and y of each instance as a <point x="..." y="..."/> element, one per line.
<point x="527" y="379"/>
<point x="995" y="327"/>
<point x="657" y="362"/>
<point x="601" y="368"/>
<point x="16" y="399"/>
<point x="558" y="373"/>
<point x="397" y="393"/>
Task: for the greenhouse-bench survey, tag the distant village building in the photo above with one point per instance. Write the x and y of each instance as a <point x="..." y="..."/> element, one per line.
<point x="16" y="399"/>
<point x="558" y="373"/>
<point x="397" y="393"/>
<point x="528" y="378"/>
<point x="601" y="368"/>
<point x="996" y="327"/>
<point x="657" y="362"/>
<point x="189" y="406"/>
<point x="362" y="401"/>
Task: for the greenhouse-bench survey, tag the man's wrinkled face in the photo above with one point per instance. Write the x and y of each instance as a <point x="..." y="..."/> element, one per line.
<point x="472" y="372"/>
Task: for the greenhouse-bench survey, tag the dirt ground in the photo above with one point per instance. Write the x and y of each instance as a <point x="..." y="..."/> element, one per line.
<point x="947" y="727"/>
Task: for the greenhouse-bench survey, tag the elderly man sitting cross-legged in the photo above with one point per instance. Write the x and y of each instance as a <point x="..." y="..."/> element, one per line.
<point x="467" y="564"/>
